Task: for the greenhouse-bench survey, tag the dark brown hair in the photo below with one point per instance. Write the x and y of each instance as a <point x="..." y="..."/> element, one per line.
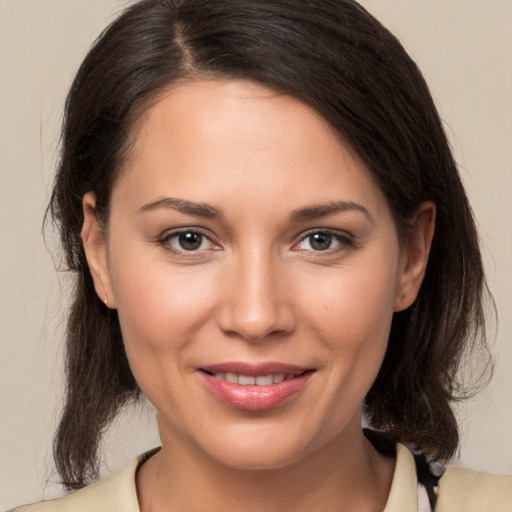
<point x="336" y="57"/>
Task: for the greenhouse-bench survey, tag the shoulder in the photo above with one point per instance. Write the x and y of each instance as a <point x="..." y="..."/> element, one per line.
<point x="101" y="496"/>
<point x="473" y="491"/>
<point x="116" y="493"/>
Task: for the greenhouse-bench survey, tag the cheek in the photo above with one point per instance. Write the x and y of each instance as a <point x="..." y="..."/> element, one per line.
<point x="352" y="312"/>
<point x="352" y="318"/>
<point x="355" y="300"/>
<point x="160" y="310"/>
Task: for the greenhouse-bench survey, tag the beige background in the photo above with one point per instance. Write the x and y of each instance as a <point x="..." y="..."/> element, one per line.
<point x="465" y="50"/>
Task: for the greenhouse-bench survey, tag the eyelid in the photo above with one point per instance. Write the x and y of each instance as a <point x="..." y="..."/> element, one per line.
<point x="164" y="239"/>
<point x="346" y="240"/>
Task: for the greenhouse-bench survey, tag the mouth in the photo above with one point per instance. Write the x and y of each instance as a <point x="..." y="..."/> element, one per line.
<point x="258" y="380"/>
<point x="255" y="387"/>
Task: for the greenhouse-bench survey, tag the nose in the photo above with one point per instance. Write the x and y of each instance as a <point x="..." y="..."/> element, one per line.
<point x="256" y="303"/>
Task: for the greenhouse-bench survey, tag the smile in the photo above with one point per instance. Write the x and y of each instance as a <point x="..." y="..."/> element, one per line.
<point x="250" y="380"/>
<point x="255" y="388"/>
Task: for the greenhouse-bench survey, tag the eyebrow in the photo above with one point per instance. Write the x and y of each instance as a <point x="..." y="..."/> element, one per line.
<point x="183" y="206"/>
<point x="322" y="210"/>
<point x="205" y="210"/>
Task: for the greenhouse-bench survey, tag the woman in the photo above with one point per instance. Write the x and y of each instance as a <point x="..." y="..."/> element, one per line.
<point x="269" y="234"/>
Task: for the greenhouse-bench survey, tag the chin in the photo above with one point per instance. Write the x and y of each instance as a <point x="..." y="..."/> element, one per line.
<point x="258" y="459"/>
<point x="267" y="447"/>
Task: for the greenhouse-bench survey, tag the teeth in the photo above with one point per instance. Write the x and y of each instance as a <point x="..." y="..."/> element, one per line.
<point x="264" y="380"/>
<point x="249" y="380"/>
<point x="246" y="380"/>
<point x="230" y="377"/>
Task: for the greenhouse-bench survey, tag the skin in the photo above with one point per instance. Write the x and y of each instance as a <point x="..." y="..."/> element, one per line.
<point x="256" y="290"/>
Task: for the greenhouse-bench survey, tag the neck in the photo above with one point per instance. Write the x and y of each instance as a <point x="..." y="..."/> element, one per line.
<point x="347" y="474"/>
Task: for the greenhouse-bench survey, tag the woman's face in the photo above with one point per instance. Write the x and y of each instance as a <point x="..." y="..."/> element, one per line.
<point x="255" y="267"/>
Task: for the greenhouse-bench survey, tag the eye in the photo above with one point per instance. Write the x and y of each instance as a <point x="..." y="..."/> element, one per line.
<point x="323" y="241"/>
<point x="187" y="240"/>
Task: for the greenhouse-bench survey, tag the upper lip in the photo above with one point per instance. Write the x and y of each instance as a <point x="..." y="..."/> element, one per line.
<point x="254" y="369"/>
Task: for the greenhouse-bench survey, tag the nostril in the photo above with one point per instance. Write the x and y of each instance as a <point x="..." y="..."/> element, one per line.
<point x="254" y="306"/>
<point x="252" y="328"/>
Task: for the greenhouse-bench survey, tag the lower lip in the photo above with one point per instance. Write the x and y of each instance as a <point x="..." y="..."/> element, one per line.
<point x="255" y="398"/>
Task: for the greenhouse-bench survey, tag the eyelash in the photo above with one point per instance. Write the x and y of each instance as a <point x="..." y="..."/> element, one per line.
<point x="165" y="240"/>
<point x="345" y="240"/>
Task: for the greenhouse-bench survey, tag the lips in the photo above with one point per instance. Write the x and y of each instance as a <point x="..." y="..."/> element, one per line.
<point x="254" y="387"/>
<point x="250" y="380"/>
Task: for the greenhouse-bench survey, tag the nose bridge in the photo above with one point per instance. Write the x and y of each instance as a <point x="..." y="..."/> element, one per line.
<point x="255" y="304"/>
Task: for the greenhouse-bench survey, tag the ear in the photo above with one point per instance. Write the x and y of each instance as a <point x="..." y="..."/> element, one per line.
<point x="95" y="247"/>
<point x="414" y="256"/>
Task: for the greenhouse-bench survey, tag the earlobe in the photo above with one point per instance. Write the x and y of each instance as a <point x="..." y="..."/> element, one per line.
<point x="415" y="255"/>
<point x="94" y="242"/>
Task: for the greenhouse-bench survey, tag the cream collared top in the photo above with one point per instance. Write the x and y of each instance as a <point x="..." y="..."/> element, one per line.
<point x="460" y="490"/>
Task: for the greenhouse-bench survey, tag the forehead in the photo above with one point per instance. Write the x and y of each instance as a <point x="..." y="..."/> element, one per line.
<point x="229" y="111"/>
<point x="208" y="137"/>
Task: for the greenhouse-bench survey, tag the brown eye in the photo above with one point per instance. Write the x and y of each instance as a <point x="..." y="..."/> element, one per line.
<point x="320" y="241"/>
<point x="323" y="241"/>
<point x="190" y="241"/>
<point x="187" y="240"/>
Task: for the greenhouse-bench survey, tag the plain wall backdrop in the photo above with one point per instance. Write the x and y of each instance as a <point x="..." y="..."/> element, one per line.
<point x="464" y="48"/>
